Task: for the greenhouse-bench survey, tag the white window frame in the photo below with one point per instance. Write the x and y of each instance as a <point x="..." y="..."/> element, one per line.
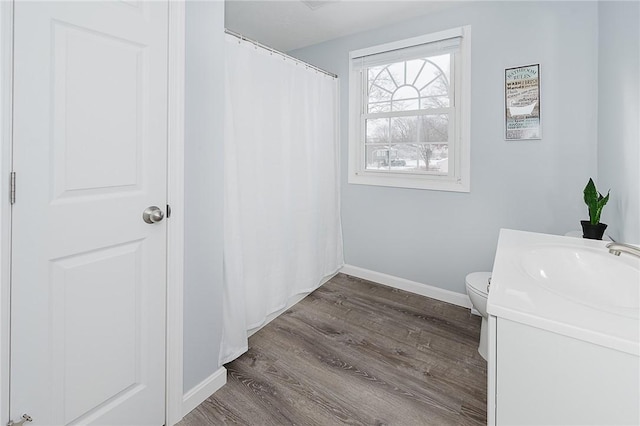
<point x="459" y="180"/>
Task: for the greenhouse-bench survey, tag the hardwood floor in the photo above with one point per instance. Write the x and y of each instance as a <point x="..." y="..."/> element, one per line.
<point x="354" y="352"/>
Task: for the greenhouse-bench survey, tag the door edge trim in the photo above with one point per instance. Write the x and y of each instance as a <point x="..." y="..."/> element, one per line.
<point x="6" y="121"/>
<point x="175" y="226"/>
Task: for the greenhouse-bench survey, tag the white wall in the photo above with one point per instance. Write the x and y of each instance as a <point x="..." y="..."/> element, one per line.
<point x="204" y="103"/>
<point x="619" y="117"/>
<point x="436" y="238"/>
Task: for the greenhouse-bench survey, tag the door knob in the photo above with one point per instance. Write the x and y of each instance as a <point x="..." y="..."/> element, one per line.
<point x="152" y="214"/>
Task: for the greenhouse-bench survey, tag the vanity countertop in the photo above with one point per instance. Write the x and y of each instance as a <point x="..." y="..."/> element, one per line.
<point x="569" y="286"/>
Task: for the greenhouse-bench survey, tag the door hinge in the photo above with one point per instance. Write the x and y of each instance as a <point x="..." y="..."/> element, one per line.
<point x="168" y="211"/>
<point x="25" y="419"/>
<point x="12" y="188"/>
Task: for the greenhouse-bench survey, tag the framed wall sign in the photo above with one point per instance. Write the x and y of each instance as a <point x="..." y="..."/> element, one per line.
<point x="522" y="102"/>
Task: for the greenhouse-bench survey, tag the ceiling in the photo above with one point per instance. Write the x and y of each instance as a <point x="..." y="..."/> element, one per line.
<point x="292" y="24"/>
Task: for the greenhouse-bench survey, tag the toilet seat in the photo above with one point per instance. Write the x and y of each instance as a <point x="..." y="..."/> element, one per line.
<point x="478" y="282"/>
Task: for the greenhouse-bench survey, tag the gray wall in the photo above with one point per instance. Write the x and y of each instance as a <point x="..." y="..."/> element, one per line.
<point x="619" y="117"/>
<point x="436" y="238"/>
<point x="203" y="189"/>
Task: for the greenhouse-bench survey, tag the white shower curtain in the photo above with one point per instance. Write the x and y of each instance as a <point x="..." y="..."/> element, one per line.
<point x="282" y="214"/>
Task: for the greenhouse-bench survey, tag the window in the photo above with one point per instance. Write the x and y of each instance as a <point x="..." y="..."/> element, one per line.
<point x="409" y="113"/>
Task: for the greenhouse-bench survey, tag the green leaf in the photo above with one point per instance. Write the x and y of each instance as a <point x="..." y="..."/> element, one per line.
<point x="591" y="200"/>
<point x="602" y="201"/>
<point x="590" y="193"/>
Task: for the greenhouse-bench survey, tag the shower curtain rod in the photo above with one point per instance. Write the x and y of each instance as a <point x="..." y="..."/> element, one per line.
<point x="277" y="52"/>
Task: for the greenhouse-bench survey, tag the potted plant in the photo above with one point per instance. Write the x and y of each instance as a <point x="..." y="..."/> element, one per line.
<point x="592" y="228"/>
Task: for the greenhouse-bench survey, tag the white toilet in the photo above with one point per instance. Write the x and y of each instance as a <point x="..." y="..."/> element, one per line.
<point x="478" y="291"/>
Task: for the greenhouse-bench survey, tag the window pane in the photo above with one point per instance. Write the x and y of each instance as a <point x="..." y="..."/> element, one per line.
<point x="436" y="71"/>
<point x="406" y="105"/>
<point x="413" y="69"/>
<point x="406" y="92"/>
<point x="435" y="102"/>
<point x="423" y="128"/>
<point x="378" y="157"/>
<point x="433" y="128"/>
<point x="377" y="130"/>
<point x="406" y="158"/>
<point x="396" y="71"/>
<point x="406" y="98"/>
<point x="376" y="107"/>
<point x="404" y="129"/>
<point x="381" y="78"/>
<point x="437" y="87"/>
<point x="377" y="93"/>
<point x="436" y="155"/>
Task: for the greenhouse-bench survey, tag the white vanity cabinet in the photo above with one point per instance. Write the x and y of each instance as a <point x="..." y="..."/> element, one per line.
<point x="544" y="378"/>
<point x="564" y="333"/>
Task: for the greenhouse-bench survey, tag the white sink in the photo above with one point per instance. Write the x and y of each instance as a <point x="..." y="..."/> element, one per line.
<point x="569" y="286"/>
<point x="593" y="277"/>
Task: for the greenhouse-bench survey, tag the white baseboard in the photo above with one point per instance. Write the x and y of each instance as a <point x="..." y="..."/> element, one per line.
<point x="203" y="390"/>
<point x="437" y="293"/>
<point x="292" y="301"/>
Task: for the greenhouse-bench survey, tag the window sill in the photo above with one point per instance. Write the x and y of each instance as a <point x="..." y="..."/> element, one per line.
<point x="410" y="181"/>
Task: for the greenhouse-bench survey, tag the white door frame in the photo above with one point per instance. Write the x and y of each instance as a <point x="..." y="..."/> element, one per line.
<point x="6" y="78"/>
<point x="175" y="198"/>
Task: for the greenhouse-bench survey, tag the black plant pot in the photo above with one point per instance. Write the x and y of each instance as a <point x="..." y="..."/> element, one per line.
<point x="593" y="232"/>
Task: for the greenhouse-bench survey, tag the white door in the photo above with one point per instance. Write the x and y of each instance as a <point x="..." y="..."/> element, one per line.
<point x="90" y="155"/>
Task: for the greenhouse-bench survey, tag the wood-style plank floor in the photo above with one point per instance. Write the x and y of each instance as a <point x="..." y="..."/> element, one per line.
<point x="354" y="352"/>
